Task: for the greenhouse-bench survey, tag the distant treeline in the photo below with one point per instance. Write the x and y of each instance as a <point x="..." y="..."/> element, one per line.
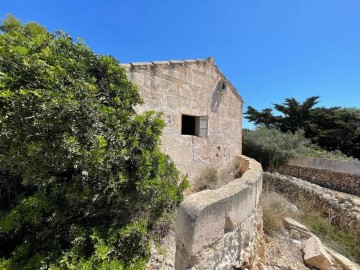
<point x="333" y="128"/>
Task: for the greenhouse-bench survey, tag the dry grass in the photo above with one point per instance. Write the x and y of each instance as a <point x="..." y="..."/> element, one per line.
<point x="345" y="241"/>
<point x="208" y="179"/>
<point x="275" y="208"/>
<point x="213" y="178"/>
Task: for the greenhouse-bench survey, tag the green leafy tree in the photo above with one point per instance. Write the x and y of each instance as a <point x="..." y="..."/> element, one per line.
<point x="272" y="147"/>
<point x="332" y="128"/>
<point x="337" y="129"/>
<point x="295" y="116"/>
<point x="83" y="181"/>
<point x="264" y="117"/>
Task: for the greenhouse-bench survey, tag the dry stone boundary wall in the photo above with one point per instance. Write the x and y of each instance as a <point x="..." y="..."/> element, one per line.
<point x="222" y="228"/>
<point x="342" y="209"/>
<point x="344" y="166"/>
<point x="337" y="175"/>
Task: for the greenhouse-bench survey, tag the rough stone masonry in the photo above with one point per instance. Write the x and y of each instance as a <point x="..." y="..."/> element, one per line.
<point x="222" y="228"/>
<point x="201" y="109"/>
<point x="334" y="174"/>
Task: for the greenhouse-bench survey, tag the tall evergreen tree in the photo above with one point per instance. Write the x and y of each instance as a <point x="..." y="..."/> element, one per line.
<point x="332" y="128"/>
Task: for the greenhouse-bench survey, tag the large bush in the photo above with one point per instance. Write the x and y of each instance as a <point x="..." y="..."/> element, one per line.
<point x="271" y="147"/>
<point x="82" y="179"/>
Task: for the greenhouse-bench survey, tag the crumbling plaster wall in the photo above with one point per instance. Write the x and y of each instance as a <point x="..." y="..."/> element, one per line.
<point x="222" y="228"/>
<point x="190" y="87"/>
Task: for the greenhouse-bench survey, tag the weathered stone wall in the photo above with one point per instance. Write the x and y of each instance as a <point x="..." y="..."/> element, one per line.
<point x="191" y="88"/>
<point x="340" y="181"/>
<point x="342" y="209"/>
<point x="344" y="166"/>
<point x="222" y="228"/>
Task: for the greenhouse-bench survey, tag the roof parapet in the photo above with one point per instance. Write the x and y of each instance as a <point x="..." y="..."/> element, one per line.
<point x="167" y="62"/>
<point x="210" y="60"/>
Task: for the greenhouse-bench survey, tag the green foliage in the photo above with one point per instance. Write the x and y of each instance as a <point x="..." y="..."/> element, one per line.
<point x="83" y="180"/>
<point x="343" y="240"/>
<point x="276" y="207"/>
<point x="296" y="115"/>
<point x="271" y="147"/>
<point x="106" y="248"/>
<point x="318" y="152"/>
<point x="332" y="128"/>
<point x="337" y="129"/>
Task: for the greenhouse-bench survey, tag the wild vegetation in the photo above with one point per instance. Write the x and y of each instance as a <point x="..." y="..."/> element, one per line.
<point x="344" y="240"/>
<point x="271" y="147"/>
<point x="318" y="152"/>
<point x="208" y="179"/>
<point x="276" y="207"/>
<point x="83" y="182"/>
<point x="333" y="128"/>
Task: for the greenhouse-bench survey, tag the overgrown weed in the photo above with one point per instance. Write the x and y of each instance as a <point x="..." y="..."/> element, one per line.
<point x="345" y="241"/>
<point x="208" y="179"/>
<point x="275" y="208"/>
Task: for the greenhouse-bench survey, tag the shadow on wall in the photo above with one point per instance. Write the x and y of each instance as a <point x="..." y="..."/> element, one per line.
<point x="216" y="97"/>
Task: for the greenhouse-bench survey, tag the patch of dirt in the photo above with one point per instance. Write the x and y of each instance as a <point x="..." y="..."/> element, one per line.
<point x="282" y="252"/>
<point x="285" y="253"/>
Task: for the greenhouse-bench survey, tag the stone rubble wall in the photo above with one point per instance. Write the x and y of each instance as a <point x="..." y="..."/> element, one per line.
<point x="342" y="209"/>
<point x="340" y="181"/>
<point x="222" y="228"/>
<point x="344" y="166"/>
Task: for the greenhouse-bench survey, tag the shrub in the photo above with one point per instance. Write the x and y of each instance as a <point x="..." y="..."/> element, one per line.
<point x="313" y="215"/>
<point x="208" y="179"/>
<point x="343" y="240"/>
<point x="275" y="208"/>
<point x="316" y="151"/>
<point x="271" y="147"/>
<point x="83" y="179"/>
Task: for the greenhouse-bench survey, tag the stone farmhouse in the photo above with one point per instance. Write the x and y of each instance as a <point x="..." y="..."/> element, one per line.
<point x="201" y="109"/>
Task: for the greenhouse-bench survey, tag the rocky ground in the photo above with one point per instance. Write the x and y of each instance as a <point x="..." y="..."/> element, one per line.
<point x="284" y="251"/>
<point x="163" y="254"/>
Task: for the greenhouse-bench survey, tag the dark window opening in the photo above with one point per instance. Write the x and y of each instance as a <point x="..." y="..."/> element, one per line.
<point x="194" y="125"/>
<point x="188" y="125"/>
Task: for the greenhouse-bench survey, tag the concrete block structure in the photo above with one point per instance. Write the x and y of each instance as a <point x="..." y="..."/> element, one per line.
<point x="201" y="109"/>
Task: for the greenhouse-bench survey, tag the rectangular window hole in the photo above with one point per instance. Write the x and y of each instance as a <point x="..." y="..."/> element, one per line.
<point x="194" y="125"/>
<point x="188" y="125"/>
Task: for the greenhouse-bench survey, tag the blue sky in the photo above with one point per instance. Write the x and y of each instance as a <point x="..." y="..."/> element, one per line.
<point x="269" y="50"/>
